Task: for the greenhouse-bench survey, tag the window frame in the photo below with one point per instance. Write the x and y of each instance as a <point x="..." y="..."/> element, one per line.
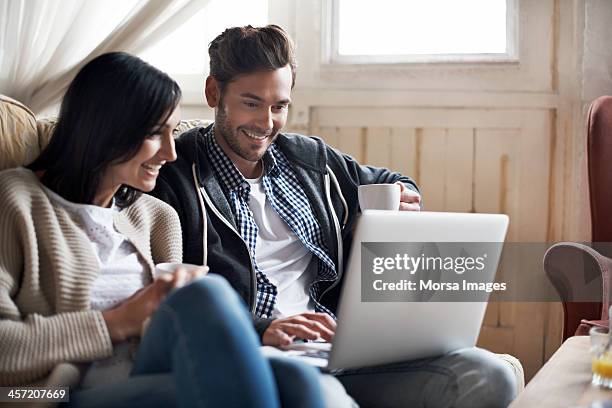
<point x="330" y="42"/>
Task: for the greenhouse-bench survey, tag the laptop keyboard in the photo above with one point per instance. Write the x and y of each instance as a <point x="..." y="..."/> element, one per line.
<point x="316" y="354"/>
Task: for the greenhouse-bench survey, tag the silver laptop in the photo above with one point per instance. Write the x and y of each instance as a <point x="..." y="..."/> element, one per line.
<point x="374" y="333"/>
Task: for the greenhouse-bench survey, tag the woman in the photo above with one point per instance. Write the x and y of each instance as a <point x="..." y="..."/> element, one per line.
<point x="77" y="251"/>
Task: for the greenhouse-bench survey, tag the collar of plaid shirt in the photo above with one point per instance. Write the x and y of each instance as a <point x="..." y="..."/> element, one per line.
<point x="288" y="199"/>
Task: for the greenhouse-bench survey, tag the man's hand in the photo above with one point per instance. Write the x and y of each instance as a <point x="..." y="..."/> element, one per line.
<point x="308" y="326"/>
<point x="410" y="200"/>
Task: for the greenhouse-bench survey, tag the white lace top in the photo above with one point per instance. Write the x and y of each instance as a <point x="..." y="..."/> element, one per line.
<point x="122" y="273"/>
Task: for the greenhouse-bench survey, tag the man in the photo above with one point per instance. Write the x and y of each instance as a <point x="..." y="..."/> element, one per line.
<point x="272" y="212"/>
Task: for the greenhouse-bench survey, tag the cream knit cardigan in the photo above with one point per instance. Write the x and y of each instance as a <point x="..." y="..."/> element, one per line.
<point x="47" y="267"/>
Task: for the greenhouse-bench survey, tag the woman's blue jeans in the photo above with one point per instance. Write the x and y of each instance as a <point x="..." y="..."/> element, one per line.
<point x="201" y="350"/>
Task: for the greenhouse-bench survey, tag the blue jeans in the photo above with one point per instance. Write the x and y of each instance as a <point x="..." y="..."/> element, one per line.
<point x="200" y="350"/>
<point x="466" y="378"/>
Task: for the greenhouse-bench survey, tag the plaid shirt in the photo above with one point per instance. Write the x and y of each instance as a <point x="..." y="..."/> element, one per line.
<point x="288" y="199"/>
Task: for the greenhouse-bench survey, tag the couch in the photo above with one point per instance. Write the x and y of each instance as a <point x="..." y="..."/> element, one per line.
<point x="22" y="138"/>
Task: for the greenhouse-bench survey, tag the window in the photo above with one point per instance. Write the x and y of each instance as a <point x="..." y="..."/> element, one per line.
<point x="184" y="52"/>
<point x="392" y="31"/>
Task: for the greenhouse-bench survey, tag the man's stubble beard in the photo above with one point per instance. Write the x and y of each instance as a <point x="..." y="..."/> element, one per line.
<point x="224" y="127"/>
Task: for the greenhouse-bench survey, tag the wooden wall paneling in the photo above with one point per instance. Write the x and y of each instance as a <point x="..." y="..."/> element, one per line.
<point x="459" y="163"/>
<point x="495" y="178"/>
<point x="507" y="314"/>
<point x="534" y="207"/>
<point x="496" y="191"/>
<point x="351" y="140"/>
<point x="529" y="336"/>
<point x="433" y="168"/>
<point x="491" y="319"/>
<point x="497" y="339"/>
<point x="496" y="183"/>
<point x="426" y="118"/>
<point x="331" y="135"/>
<point x="446" y="172"/>
<point x="534" y="156"/>
<point x="492" y="148"/>
<point x="554" y="329"/>
<point x="405" y="152"/>
<point x="393" y="148"/>
<point x="379" y="146"/>
<point x="505" y="160"/>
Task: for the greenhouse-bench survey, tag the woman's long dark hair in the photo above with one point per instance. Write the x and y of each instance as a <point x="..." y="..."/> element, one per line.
<point x="111" y="106"/>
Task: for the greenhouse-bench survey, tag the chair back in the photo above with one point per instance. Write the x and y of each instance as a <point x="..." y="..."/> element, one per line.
<point x="599" y="159"/>
<point x="599" y="151"/>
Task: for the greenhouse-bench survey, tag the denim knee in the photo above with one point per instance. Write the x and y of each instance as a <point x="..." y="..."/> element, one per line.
<point x="209" y="292"/>
<point x="212" y="303"/>
<point x="484" y="380"/>
<point x="298" y="383"/>
<point x="295" y="369"/>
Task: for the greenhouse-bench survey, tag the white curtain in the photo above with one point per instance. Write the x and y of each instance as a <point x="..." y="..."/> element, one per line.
<point x="44" y="43"/>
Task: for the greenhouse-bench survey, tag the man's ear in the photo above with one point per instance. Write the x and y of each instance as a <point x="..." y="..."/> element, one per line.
<point x="212" y="92"/>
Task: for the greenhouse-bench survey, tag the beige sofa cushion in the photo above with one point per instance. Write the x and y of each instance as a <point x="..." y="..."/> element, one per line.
<point x="22" y="137"/>
<point x="187" y="124"/>
<point x="45" y="128"/>
<point x="19" y="142"/>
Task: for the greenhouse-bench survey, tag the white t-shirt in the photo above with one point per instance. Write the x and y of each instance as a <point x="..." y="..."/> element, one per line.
<point x="281" y="255"/>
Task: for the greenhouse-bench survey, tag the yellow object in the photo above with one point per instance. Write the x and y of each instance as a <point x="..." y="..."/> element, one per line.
<point x="603" y="365"/>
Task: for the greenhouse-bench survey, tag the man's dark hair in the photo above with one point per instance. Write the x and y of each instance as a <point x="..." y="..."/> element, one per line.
<point x="114" y="103"/>
<point x="244" y="50"/>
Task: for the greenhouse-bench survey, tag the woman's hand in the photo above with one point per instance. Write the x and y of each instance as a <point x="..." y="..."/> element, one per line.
<point x="125" y="320"/>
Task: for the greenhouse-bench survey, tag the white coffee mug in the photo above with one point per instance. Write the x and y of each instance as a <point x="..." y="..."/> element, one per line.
<point x="169" y="267"/>
<point x="379" y="196"/>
